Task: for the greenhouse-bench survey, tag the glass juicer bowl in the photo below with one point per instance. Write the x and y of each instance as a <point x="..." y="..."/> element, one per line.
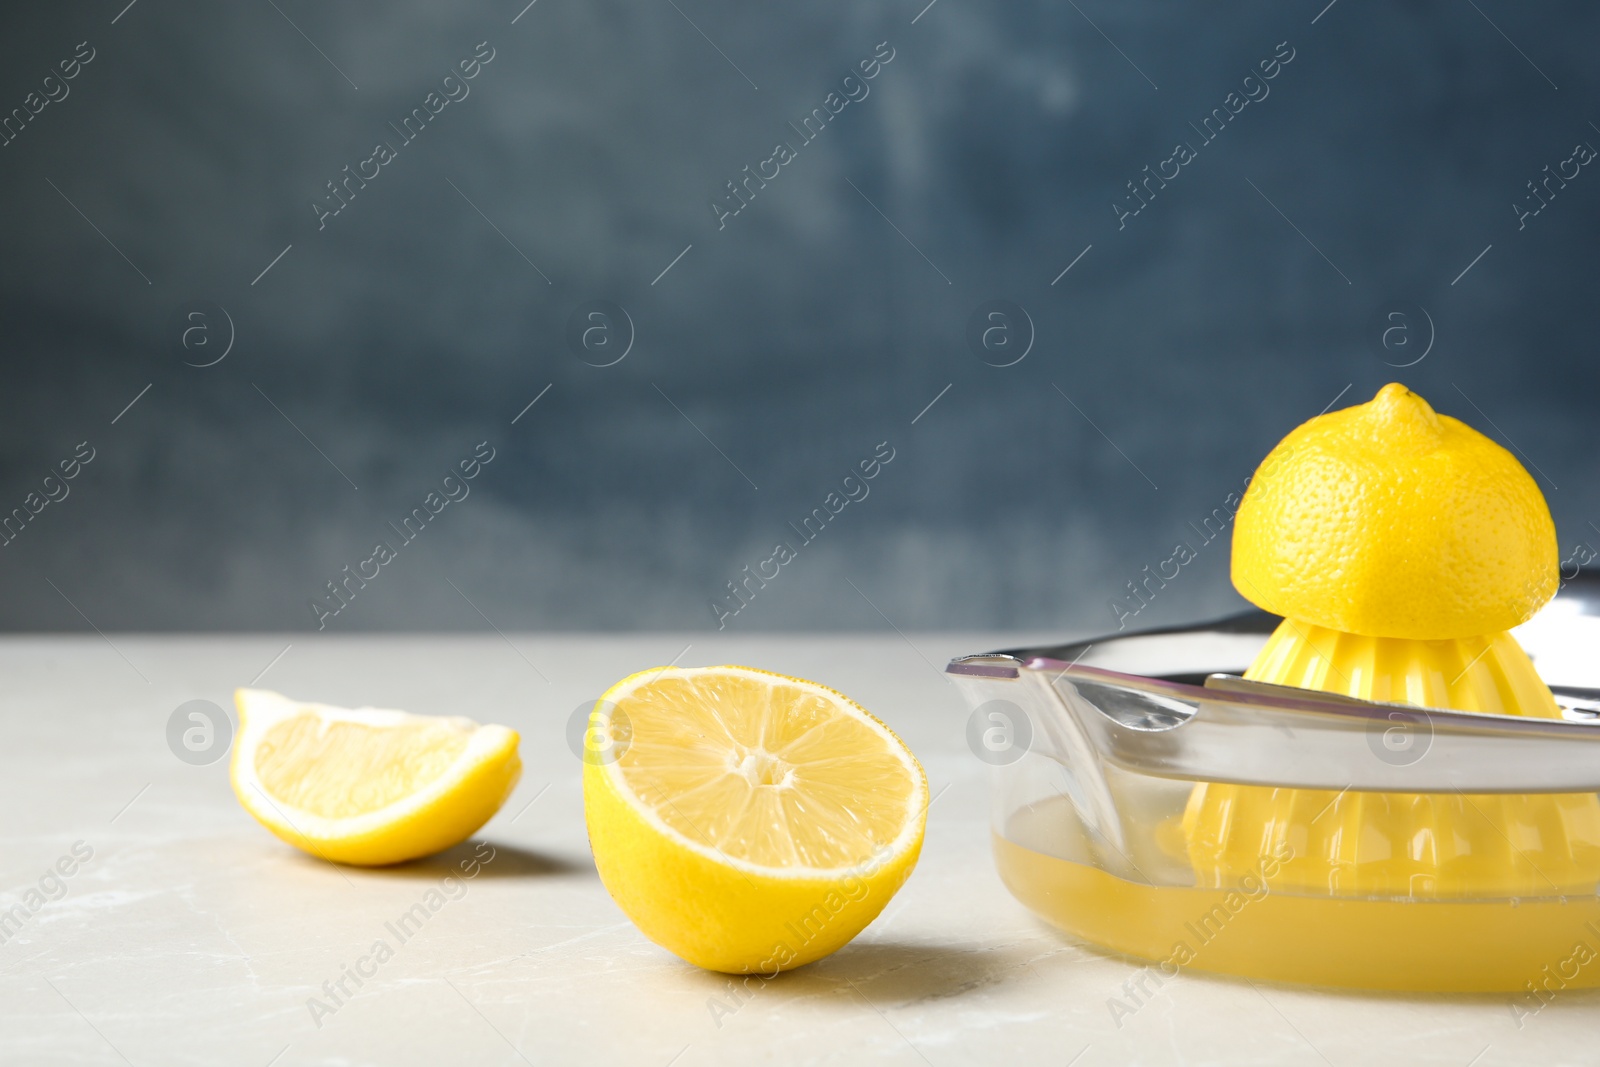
<point x="1098" y="745"/>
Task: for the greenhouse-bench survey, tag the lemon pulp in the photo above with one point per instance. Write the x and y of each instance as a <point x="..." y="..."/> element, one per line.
<point x="358" y="768"/>
<point x="766" y="772"/>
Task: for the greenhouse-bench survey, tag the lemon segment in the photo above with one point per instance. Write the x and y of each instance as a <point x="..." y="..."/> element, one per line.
<point x="368" y="786"/>
<point x="748" y="821"/>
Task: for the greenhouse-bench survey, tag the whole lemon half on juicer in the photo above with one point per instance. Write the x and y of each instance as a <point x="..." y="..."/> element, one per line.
<point x="1399" y="545"/>
<point x="1388" y="519"/>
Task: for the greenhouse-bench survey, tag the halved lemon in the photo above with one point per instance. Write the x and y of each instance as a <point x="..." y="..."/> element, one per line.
<point x="368" y="786"/>
<point x="748" y="821"/>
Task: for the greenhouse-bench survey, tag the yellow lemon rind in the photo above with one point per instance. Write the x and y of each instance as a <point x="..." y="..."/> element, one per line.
<point x="717" y="913"/>
<point x="1387" y="519"/>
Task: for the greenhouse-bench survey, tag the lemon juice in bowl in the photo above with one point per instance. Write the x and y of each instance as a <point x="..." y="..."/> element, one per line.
<point x="1262" y="930"/>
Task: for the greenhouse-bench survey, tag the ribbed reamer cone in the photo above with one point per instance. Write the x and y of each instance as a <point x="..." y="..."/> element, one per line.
<point x="1400" y="844"/>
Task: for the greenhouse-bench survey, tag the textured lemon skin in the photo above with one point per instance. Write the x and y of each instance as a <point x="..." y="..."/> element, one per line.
<point x="470" y="803"/>
<point x="718" y="916"/>
<point x="1389" y="520"/>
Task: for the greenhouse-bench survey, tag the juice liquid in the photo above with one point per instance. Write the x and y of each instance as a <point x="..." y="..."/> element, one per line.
<point x="1514" y="945"/>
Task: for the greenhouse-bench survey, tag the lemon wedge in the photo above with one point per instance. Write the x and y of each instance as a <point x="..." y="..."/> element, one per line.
<point x="368" y="786"/>
<point x="744" y="820"/>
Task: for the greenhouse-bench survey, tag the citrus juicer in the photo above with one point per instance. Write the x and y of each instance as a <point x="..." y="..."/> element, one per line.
<point x="1099" y="746"/>
<point x="1399" y="545"/>
<point x="1390" y="796"/>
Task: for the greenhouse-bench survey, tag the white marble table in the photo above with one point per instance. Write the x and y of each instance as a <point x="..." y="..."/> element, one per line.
<point x="191" y="936"/>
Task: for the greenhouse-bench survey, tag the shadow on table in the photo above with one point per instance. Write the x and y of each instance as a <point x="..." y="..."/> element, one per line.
<point x="493" y="859"/>
<point x="881" y="973"/>
<point x="888" y="972"/>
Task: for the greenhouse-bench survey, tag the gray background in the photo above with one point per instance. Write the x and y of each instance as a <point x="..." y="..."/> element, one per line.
<point x="821" y="321"/>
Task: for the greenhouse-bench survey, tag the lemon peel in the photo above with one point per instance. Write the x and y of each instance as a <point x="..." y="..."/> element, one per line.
<point x="1390" y="520"/>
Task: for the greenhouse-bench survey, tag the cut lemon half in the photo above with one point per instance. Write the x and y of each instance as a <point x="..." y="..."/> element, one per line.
<point x="368" y="786"/>
<point x="744" y="820"/>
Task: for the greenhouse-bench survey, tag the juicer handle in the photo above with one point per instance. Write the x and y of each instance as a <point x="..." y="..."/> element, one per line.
<point x="1248" y="733"/>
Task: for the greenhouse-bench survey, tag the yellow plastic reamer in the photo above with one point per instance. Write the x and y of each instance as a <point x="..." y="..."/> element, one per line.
<point x="1423" y="846"/>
